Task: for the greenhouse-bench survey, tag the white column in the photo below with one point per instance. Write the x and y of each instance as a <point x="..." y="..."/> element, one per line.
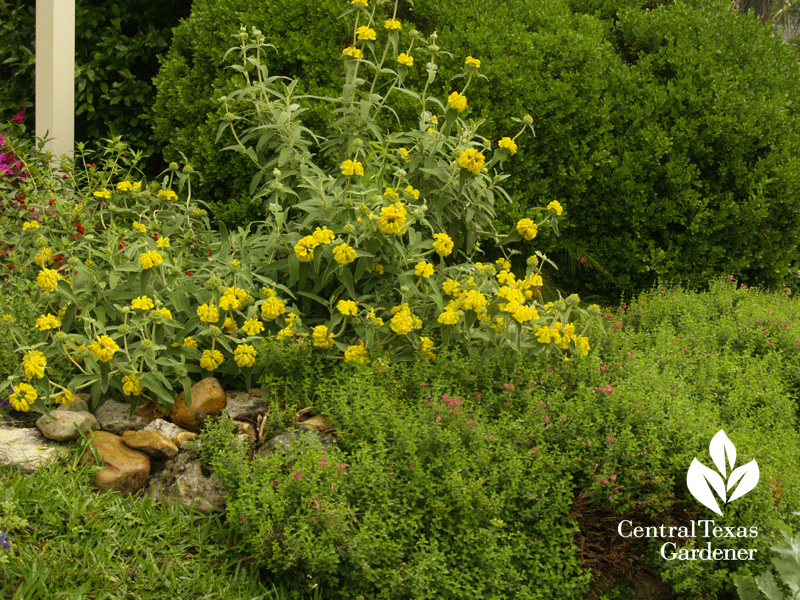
<point x="55" y="74"/>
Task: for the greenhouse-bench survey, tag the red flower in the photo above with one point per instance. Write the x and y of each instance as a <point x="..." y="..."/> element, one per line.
<point x="51" y="202"/>
<point x="155" y="238"/>
<point x="189" y="273"/>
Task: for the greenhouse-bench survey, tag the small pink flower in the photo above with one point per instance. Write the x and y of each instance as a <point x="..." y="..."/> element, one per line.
<point x="512" y="387"/>
<point x="563" y="417"/>
<point x="611" y="497"/>
<point x="296" y="475"/>
<point x="603" y="368"/>
<point x="613" y="478"/>
<point x="478" y="396"/>
<point x="438" y="419"/>
<point x="609" y="440"/>
<point x="546" y="419"/>
<point x="469" y="423"/>
<point x="534" y="452"/>
<point x="505" y="385"/>
<point x="424" y="385"/>
<point x="317" y="505"/>
<point x="605" y="481"/>
<point x="410" y="466"/>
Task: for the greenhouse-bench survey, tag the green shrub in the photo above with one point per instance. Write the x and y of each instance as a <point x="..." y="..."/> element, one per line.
<point x="116" y="48"/>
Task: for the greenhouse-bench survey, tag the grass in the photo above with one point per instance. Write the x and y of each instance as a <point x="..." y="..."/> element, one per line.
<point x="70" y="542"/>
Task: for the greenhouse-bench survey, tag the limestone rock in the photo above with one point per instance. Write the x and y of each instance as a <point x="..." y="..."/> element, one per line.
<point x="126" y="470"/>
<point x="151" y="443"/>
<point x="63" y="425"/>
<point x="26" y="448"/>
<point x="167" y="429"/>
<point x="182" y="438"/>
<point x="189" y="481"/>
<point x="289" y="441"/>
<point x="208" y="399"/>
<point x="77" y="405"/>
<point x="245" y="407"/>
<point x="114" y="417"/>
<point x="257" y="392"/>
<point x="317" y="422"/>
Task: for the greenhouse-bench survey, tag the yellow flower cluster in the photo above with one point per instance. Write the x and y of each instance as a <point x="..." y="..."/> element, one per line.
<point x="321" y="338"/>
<point x="30" y="225"/>
<point x="405" y="59"/>
<point x="356" y="354"/>
<point x="141" y="228"/>
<point x="555" y="207"/>
<point x="347" y="307"/>
<point x="304" y="250"/>
<point x="288" y="331"/>
<point x="48" y="321"/>
<point x="508" y="144"/>
<point x="472" y="62"/>
<point x="151" y="259"/>
<point x="23" y="396"/>
<point x="365" y="33"/>
<point x="65" y="397"/>
<point x="253" y="327"/>
<point x="472" y="160"/>
<point x="352" y="167"/>
<point x="392" y="24"/>
<point x="47" y="279"/>
<point x="244" y="355"/>
<point x="443" y="244"/>
<point x="352" y="51"/>
<point x="457" y="101"/>
<point x="404" y="321"/>
<point x="103" y="348"/>
<point x="424" y="269"/>
<point x="527" y="229"/>
<point x="43" y="257"/>
<point x="208" y="313"/>
<point x="232" y="299"/>
<point x="142" y="303"/>
<point x="427" y="347"/>
<point x="104" y="193"/>
<point x="127" y="186"/>
<point x="211" y="359"/>
<point x="168" y="194"/>
<point x="131" y="385"/>
<point x="34" y="362"/>
<point x="162" y="243"/>
<point x="344" y="254"/>
<point x="393" y="218"/>
<point x="272" y="308"/>
<point x="561" y="336"/>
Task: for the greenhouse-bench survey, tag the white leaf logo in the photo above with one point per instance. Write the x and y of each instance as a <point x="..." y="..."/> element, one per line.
<point x="701" y="480"/>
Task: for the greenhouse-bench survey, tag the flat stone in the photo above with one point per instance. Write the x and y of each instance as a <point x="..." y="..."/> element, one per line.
<point x="245" y="407"/>
<point x="167" y="429"/>
<point x="126" y="470"/>
<point x="66" y="425"/>
<point x="151" y="443"/>
<point x="208" y="399"/>
<point x="27" y="449"/>
<point x="182" y="438"/>
<point x="114" y="417"/>
<point x="189" y="481"/>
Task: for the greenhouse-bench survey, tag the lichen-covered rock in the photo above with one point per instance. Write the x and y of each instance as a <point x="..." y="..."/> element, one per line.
<point x="26" y="448"/>
<point x="64" y="425"/>
<point x="208" y="399"/>
<point x="126" y="470"/>
<point x="151" y="443"/>
<point x="115" y="417"/>
<point x="189" y="481"/>
<point x="243" y="406"/>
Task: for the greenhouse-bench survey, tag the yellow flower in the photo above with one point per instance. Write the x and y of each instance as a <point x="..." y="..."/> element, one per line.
<point x="43" y="257"/>
<point x="392" y="24"/>
<point x="378" y="269"/>
<point x="344" y="254"/>
<point x="472" y="160"/>
<point x="424" y="269"/>
<point x="457" y="101"/>
<point x="244" y="355"/>
<point x="48" y="321"/>
<point x="356" y="354"/>
<point x="323" y="236"/>
<point x="373" y="320"/>
<point x="168" y="194"/>
<point x="350" y="167"/>
<point x="47" y="279"/>
<point x="498" y="325"/>
<point x="361" y="2"/>
<point x="351" y="51"/>
<point x="347" y="307"/>
<point x="412" y="192"/>
<point x="191" y="342"/>
<point x="34" y="363"/>
<point x="30" y="225"/>
<point x="304" y="250"/>
<point x="229" y="302"/>
<point x="65" y="397"/>
<point x="402" y="323"/>
<point x="390" y="193"/>
<point x="365" y="33"/>
<point x="162" y="243"/>
<point x="503" y="263"/>
<point x="131" y="385"/>
<point x="23" y="396"/>
<point x="555" y="207"/>
<point x="405" y="59"/>
<point x="527" y="229"/>
<point x="321" y="337"/>
<point x="508" y="144"/>
<point x="139" y="227"/>
<point x="448" y="317"/>
<point x="287" y="331"/>
<point x="142" y="303"/>
<point x="451" y="287"/>
<point x="473" y="300"/>
<point x="127" y="186"/>
<point x="211" y="359"/>
<point x="164" y="313"/>
<point x="104" y="193"/>
<point x="583" y="345"/>
<point x="229" y="325"/>
<point x="103" y="348"/>
<point x="272" y="308"/>
<point x="392" y="219"/>
<point x="208" y="313"/>
<point x="404" y="153"/>
<point x="472" y="62"/>
<point x="253" y="326"/>
<point x="543" y="333"/>
<point x="151" y="259"/>
<point x="443" y="244"/>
